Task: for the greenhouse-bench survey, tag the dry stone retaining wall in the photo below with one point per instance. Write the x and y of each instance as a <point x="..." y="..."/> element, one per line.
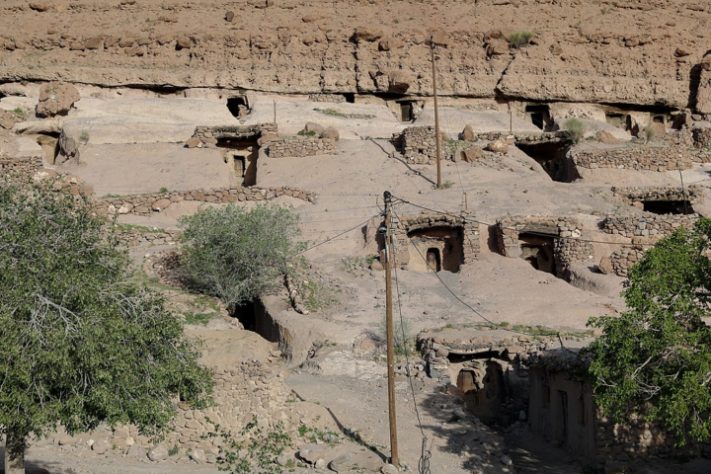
<point x="635" y="195"/>
<point x="145" y="204"/>
<point x="568" y="248"/>
<point x="702" y="137"/>
<point x="133" y="236"/>
<point x="20" y="167"/>
<point x="654" y="226"/>
<point x="300" y="147"/>
<point x="639" y="157"/>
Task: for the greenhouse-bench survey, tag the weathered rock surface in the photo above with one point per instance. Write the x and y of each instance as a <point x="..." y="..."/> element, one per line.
<point x="56" y="99"/>
<point x="633" y="52"/>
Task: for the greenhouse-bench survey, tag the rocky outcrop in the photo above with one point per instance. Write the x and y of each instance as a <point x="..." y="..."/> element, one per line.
<point x="628" y="52"/>
<point x="56" y="99"/>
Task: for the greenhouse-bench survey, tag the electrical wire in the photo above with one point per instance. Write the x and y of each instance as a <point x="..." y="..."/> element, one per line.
<point x="360" y="224"/>
<point x="464" y="303"/>
<point x="423" y="465"/>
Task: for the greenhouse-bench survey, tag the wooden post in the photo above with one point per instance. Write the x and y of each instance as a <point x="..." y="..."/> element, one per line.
<point x="508" y="104"/>
<point x="389" y="331"/>
<point x="275" y="112"/>
<point x="436" y="113"/>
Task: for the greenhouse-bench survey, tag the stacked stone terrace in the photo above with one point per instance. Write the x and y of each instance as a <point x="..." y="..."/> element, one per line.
<point x="299" y="147"/>
<point x="145" y="204"/>
<point x="657" y="157"/>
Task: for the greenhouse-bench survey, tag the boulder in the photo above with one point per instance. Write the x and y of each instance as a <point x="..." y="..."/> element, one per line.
<point x="56" y="98"/>
<point x="365" y="33"/>
<point x="161" y="204"/>
<point x="229" y="16"/>
<point x="472" y="154"/>
<point x="159" y="453"/>
<point x="498" y="146"/>
<point x="193" y="142"/>
<point x="7" y="119"/>
<point x="331" y="133"/>
<point x="183" y="42"/>
<point x="468" y="134"/>
<point x="604" y="136"/>
<point x="312" y="453"/>
<point x="100" y="447"/>
<point x="314" y="127"/>
<point x="40" y="6"/>
<point x="497" y="47"/>
<point x="605" y="266"/>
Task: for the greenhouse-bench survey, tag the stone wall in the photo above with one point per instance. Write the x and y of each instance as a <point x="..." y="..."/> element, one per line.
<point x="145" y="204"/>
<point x="636" y="195"/>
<point x="642" y="231"/>
<point x="334" y="98"/>
<point x="300" y="147"/>
<point x="471" y="246"/>
<point x="568" y="248"/>
<point x="639" y="157"/>
<point x="132" y="236"/>
<point x="208" y="136"/>
<point x="647" y="225"/>
<point x="417" y="144"/>
<point x="702" y="136"/>
<point x="20" y="167"/>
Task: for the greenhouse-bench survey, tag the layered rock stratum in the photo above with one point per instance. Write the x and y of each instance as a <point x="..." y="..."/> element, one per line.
<point x="638" y="52"/>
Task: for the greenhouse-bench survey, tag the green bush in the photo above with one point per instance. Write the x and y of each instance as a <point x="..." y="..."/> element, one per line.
<point x="654" y="360"/>
<point x="575" y="129"/>
<point x="520" y="38"/>
<point x="81" y="343"/>
<point x="237" y="255"/>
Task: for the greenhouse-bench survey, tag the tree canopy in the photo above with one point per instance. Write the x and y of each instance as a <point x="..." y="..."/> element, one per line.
<point x="235" y="254"/>
<point x="81" y="345"/>
<point x="655" y="359"/>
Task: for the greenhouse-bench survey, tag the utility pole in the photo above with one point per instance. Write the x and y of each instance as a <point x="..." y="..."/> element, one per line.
<point x="436" y="113"/>
<point x="389" y="329"/>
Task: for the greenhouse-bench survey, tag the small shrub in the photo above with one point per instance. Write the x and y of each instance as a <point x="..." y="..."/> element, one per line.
<point x="575" y="129"/>
<point x="520" y="38"/>
<point x="84" y="137"/>
<point x="307" y="133"/>
<point x="236" y="255"/>
<point x="401" y="335"/>
<point x="354" y="265"/>
<point x="336" y="113"/>
<point x="174" y="450"/>
<point x="198" y="319"/>
<point x="317" y="436"/>
<point x="19" y="112"/>
<point x="446" y="185"/>
<point x="256" y="452"/>
<point x="163" y="190"/>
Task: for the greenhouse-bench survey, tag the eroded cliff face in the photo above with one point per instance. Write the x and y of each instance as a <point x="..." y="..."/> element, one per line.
<point x="640" y="52"/>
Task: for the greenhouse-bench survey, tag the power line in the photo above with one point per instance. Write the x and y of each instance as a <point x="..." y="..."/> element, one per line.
<point x="360" y="224"/>
<point x="464" y="303"/>
<point x="541" y="234"/>
<point x="423" y="464"/>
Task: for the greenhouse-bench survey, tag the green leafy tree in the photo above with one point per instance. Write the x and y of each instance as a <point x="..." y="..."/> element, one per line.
<point x="80" y="344"/>
<point x="236" y="255"/>
<point x="655" y="359"/>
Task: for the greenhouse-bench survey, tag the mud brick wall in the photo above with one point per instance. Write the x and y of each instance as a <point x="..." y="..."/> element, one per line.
<point x="640" y="157"/>
<point x="145" y="204"/>
<point x="299" y="147"/>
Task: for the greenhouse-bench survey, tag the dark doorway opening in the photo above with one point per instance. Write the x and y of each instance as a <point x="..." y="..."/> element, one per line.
<point x="561" y="431"/>
<point x="539" y="250"/>
<point x="668" y="207"/>
<point x="442" y="248"/>
<point x="552" y="157"/>
<point x="407" y="110"/>
<point x="617" y="119"/>
<point x="434" y="260"/>
<point x="254" y="317"/>
<point x="50" y="146"/>
<point x="350" y="97"/>
<point x="540" y="115"/>
<point x="245" y="157"/>
<point x="238" y="106"/>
